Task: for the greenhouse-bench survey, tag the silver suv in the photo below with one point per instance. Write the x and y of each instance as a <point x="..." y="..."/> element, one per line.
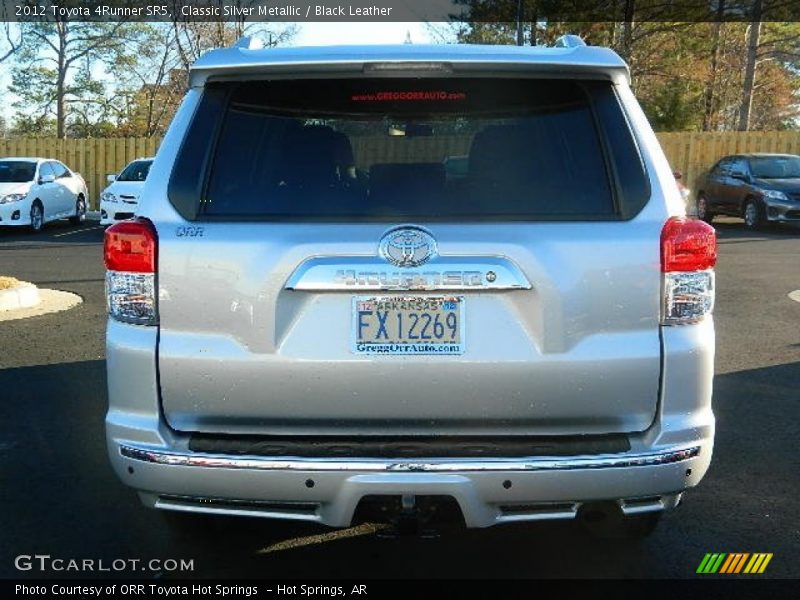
<point x="407" y="276"/>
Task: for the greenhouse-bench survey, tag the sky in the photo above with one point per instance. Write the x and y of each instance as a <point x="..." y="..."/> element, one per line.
<point x="309" y="34"/>
<point x="323" y="34"/>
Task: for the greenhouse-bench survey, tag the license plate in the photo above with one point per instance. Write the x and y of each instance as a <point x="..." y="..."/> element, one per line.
<point x="408" y="325"/>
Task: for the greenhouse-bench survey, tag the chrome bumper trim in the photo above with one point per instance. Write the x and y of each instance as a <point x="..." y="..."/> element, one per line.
<point x="605" y="461"/>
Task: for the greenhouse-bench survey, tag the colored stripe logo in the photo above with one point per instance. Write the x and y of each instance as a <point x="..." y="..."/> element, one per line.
<point x="734" y="562"/>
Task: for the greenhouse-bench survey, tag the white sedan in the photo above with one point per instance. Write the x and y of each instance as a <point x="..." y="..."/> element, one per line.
<point x="119" y="200"/>
<point x="35" y="191"/>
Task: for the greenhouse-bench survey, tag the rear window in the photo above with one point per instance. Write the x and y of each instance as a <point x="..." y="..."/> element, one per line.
<point x="136" y="171"/>
<point x="409" y="149"/>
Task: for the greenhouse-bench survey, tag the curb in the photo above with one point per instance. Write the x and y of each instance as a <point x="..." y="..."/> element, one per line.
<point x="25" y="295"/>
<point x="52" y="301"/>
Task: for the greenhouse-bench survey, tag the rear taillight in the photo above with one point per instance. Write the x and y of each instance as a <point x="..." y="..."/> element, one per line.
<point x="131" y="252"/>
<point x="688" y="256"/>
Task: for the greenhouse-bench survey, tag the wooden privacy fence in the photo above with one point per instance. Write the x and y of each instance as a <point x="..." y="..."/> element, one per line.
<point x="695" y="153"/>
<point x="690" y="153"/>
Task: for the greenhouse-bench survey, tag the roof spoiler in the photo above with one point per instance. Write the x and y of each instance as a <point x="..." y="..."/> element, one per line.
<point x="249" y="56"/>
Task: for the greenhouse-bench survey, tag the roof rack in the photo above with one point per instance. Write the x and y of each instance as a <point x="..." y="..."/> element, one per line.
<point x="569" y="41"/>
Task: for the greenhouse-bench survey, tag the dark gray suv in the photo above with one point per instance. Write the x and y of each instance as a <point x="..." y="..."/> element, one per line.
<point x="760" y="188"/>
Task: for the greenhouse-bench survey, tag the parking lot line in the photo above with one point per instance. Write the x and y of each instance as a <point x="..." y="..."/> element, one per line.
<point x="78" y="231"/>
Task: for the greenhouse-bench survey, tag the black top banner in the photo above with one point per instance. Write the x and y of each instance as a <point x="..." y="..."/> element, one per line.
<point x="488" y="11"/>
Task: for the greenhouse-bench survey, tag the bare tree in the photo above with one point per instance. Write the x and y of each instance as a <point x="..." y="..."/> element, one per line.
<point x="150" y="81"/>
<point x="445" y="32"/>
<point x="708" y="96"/>
<point x="193" y="38"/>
<point x="748" y="85"/>
<point x="48" y="55"/>
<point x="12" y="35"/>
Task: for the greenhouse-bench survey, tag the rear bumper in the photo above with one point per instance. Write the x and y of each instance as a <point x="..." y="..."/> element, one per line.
<point x="488" y="491"/>
<point x="486" y="465"/>
<point x="672" y="455"/>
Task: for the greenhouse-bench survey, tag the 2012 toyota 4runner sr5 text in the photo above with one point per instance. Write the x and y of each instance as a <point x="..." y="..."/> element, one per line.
<point x="416" y="274"/>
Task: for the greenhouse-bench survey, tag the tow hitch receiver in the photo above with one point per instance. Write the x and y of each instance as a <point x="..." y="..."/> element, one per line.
<point x="410" y="515"/>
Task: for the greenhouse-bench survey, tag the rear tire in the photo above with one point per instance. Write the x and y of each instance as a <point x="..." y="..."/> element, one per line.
<point x="753" y="215"/>
<point x="702" y="209"/>
<point x="80" y="211"/>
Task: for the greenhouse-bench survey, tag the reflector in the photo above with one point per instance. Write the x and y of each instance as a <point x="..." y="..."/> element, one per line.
<point x="131" y="246"/>
<point x="687" y="245"/>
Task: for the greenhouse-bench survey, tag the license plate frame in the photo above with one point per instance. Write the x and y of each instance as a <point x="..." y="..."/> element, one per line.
<point x="397" y="347"/>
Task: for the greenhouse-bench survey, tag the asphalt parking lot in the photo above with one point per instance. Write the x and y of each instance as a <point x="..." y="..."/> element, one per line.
<point x="58" y="495"/>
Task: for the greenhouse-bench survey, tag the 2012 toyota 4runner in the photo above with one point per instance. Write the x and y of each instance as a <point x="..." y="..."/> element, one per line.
<point x="411" y="274"/>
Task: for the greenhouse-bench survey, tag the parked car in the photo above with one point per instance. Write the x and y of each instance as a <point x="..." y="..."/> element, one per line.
<point x="685" y="191"/>
<point x="35" y="191"/>
<point x="759" y="188"/>
<point x="287" y="340"/>
<point x="119" y="200"/>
